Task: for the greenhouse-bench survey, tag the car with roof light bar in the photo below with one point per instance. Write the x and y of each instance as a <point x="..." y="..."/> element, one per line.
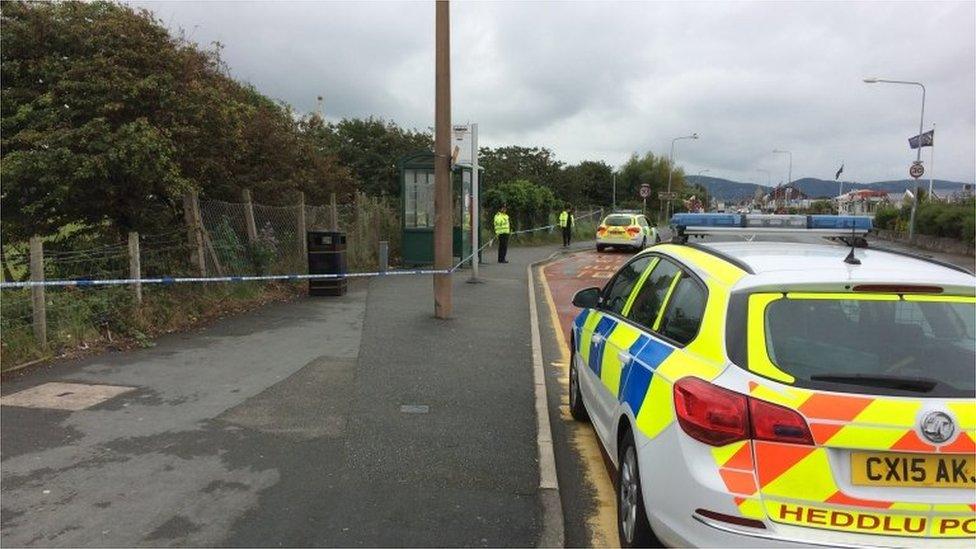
<point x="769" y="394"/>
<point x="625" y="229"/>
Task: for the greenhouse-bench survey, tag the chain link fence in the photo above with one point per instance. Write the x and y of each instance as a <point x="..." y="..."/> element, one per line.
<point x="233" y="239"/>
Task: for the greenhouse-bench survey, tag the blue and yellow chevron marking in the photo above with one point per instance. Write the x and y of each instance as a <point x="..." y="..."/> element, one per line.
<point x="604" y="327"/>
<point x="638" y="373"/>
<point x="623" y="338"/>
<point x="581" y="319"/>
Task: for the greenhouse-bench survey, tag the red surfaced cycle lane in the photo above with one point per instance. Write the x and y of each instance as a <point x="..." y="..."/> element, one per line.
<point x="578" y="271"/>
<point x="562" y="279"/>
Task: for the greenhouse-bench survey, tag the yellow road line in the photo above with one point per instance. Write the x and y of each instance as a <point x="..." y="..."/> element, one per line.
<point x="602" y="523"/>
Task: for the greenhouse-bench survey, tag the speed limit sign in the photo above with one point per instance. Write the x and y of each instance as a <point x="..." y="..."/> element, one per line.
<point x="916" y="170"/>
<point x="645" y="190"/>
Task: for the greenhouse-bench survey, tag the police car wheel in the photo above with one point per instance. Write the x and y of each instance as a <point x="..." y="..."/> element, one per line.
<point x="632" y="524"/>
<point x="577" y="408"/>
<point x="643" y="243"/>
<point x="600" y="247"/>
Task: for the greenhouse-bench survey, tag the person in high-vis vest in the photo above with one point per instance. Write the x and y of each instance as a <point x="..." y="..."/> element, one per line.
<point x="502" y="230"/>
<point x="566" y="222"/>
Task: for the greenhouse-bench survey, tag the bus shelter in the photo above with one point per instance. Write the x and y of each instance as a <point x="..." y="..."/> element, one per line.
<point x="417" y="208"/>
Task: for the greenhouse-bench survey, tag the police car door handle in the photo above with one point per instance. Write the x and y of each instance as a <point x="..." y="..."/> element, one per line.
<point x="623" y="357"/>
<point x="597" y="338"/>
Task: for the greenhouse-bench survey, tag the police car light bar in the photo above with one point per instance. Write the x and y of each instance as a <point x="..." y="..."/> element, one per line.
<point x="825" y="225"/>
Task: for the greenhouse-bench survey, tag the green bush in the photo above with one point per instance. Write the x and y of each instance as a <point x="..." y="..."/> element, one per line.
<point x="529" y="205"/>
<point x="886" y="217"/>
<point x="932" y="218"/>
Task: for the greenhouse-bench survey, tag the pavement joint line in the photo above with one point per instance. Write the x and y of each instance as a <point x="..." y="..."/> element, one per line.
<point x="553" y="528"/>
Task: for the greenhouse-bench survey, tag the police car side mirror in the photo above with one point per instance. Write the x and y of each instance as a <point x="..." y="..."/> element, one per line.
<point x="587" y="299"/>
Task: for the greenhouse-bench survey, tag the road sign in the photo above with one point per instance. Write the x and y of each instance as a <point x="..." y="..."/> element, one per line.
<point x="916" y="170"/>
<point x="645" y="190"/>
<point x="663" y="195"/>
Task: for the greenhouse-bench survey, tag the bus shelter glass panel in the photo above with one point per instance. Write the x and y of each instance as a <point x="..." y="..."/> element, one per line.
<point x="418" y="199"/>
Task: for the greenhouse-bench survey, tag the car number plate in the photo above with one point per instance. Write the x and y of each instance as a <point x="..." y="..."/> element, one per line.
<point x="913" y="470"/>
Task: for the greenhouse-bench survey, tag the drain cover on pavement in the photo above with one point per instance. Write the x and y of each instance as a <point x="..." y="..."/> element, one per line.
<point x="414" y="409"/>
<point x="63" y="396"/>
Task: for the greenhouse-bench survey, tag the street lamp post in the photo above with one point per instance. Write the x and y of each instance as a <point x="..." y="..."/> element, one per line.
<point x="789" y="176"/>
<point x="921" y="126"/>
<point x="671" y="169"/>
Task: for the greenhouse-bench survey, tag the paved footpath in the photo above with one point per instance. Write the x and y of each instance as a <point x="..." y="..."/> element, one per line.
<point x="353" y="421"/>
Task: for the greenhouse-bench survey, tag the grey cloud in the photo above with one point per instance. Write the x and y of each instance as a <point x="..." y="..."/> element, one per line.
<point x="595" y="80"/>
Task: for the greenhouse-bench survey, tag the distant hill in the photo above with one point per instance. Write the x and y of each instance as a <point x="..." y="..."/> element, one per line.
<point x="725" y="189"/>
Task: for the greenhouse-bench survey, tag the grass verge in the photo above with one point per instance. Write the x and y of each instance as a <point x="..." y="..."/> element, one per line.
<point x="87" y="320"/>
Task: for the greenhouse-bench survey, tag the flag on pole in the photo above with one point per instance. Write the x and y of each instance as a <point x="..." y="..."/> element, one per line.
<point x="928" y="140"/>
<point x="840" y="171"/>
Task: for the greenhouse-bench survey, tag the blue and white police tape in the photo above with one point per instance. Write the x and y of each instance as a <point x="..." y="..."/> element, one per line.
<point x="190" y="279"/>
<point x="166" y="280"/>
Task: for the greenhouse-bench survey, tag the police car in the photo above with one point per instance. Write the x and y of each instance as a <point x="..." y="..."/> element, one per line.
<point x="625" y="230"/>
<point x="769" y="393"/>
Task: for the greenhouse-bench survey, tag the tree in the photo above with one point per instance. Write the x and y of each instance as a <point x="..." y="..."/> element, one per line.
<point x="587" y="183"/>
<point x="370" y="148"/>
<point x="528" y="204"/>
<point x="506" y="164"/>
<point x="647" y="169"/>
<point x="107" y="120"/>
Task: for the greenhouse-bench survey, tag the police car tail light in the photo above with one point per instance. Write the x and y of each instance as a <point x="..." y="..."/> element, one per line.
<point x="633" y="231"/>
<point x="778" y="424"/>
<point x="709" y="413"/>
<point x="717" y="416"/>
<point x="601" y="229"/>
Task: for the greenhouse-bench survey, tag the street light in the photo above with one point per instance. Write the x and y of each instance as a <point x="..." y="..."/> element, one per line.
<point x="921" y="119"/>
<point x="921" y="126"/>
<point x="671" y="168"/>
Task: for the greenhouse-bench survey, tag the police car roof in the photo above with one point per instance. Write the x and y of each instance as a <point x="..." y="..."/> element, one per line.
<point x="777" y="264"/>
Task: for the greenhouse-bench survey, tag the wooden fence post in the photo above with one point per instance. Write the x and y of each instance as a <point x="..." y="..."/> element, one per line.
<point x="335" y="212"/>
<point x="38" y="303"/>
<point x="194" y="229"/>
<point x="135" y="267"/>
<point x="252" y="228"/>
<point x="302" y="234"/>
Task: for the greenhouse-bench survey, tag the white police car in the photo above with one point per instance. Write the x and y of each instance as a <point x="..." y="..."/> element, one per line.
<point x="776" y="394"/>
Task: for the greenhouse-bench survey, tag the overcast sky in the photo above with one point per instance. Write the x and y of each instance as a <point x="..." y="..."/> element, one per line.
<point x="598" y="81"/>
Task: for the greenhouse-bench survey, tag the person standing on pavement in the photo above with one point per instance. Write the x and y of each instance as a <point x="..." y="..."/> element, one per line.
<point x="502" y="230"/>
<point x="566" y="222"/>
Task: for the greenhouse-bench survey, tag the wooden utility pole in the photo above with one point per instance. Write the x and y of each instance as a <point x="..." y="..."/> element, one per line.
<point x="38" y="302"/>
<point x="135" y="267"/>
<point x="249" y="224"/>
<point x="194" y="230"/>
<point x="443" y="253"/>
<point x="302" y="234"/>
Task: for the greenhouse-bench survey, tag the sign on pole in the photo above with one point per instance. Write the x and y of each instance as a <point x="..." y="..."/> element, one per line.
<point x="664" y="195"/>
<point x="461" y="144"/>
<point x="916" y="170"/>
<point x="645" y="190"/>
